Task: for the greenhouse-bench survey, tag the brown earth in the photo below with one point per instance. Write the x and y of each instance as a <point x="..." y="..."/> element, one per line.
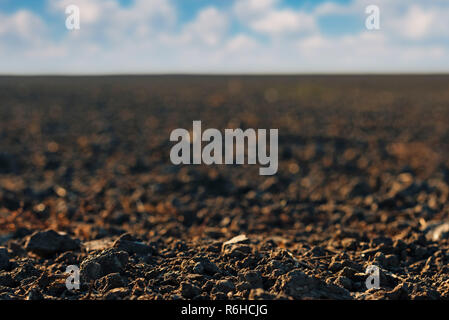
<point x="363" y="180"/>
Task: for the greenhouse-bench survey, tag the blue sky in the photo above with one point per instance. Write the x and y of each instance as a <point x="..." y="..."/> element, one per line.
<point x="223" y="36"/>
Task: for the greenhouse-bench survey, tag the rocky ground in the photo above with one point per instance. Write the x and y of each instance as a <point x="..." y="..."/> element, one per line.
<point x="86" y="180"/>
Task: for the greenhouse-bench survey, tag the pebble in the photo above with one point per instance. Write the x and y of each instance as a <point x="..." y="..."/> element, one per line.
<point x="101" y="264"/>
<point x="4" y="258"/>
<point x="224" y="286"/>
<point x="49" y="242"/>
<point x="238" y="239"/>
<point x="131" y="245"/>
<point x="438" y="232"/>
<point x="189" y="290"/>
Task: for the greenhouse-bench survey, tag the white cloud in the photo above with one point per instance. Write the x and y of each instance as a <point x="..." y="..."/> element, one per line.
<point x="418" y="22"/>
<point x="209" y="26"/>
<point x="108" y="20"/>
<point x="283" y="21"/>
<point x="415" y="23"/>
<point x="146" y="36"/>
<point x="264" y="16"/>
<point x="207" y="29"/>
<point x="240" y="42"/>
<point x="22" y="25"/>
<point x="406" y="19"/>
<point x="248" y="8"/>
<point x="335" y="9"/>
<point x="368" y="51"/>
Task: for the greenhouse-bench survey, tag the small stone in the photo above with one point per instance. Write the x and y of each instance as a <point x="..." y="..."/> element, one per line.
<point x="131" y="245"/>
<point x="110" y="281"/>
<point x="295" y="281"/>
<point x="242" y="286"/>
<point x="361" y="188"/>
<point x="335" y="266"/>
<point x="347" y="272"/>
<point x="420" y="251"/>
<point x="379" y="259"/>
<point x="189" y="290"/>
<point x="68" y="258"/>
<point x="349" y="244"/>
<point x="101" y="264"/>
<point x="299" y="285"/>
<point x="6" y="280"/>
<point x="100" y="244"/>
<point x="10" y="201"/>
<point x="391" y="260"/>
<point x="49" y="242"/>
<point x="219" y="296"/>
<point x="34" y="294"/>
<point x="399" y="245"/>
<point x="224" y="286"/>
<point x="4" y="258"/>
<point x="254" y="278"/>
<point x="238" y="251"/>
<point x="198" y="268"/>
<point x="17" y="249"/>
<point x="25" y="271"/>
<point x="5" y="238"/>
<point x="344" y="282"/>
<point x="56" y="289"/>
<point x="92" y="270"/>
<point x="260" y="294"/>
<point x="116" y="294"/>
<point x="204" y="265"/>
<point x="8" y="163"/>
<point x="438" y="232"/>
<point x="400" y="292"/>
<point x="238" y="239"/>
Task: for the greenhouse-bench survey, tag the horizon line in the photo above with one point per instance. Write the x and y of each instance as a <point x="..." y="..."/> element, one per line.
<point x="242" y="74"/>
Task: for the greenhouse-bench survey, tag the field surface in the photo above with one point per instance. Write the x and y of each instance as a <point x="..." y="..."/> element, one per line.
<point x="363" y="180"/>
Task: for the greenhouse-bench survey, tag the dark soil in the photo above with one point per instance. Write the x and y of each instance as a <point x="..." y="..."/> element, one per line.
<point x="86" y="180"/>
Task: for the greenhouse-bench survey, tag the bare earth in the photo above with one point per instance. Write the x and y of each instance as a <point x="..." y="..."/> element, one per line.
<point x="363" y="180"/>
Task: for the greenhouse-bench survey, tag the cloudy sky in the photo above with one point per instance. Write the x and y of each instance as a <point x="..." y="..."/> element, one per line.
<point x="223" y="36"/>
